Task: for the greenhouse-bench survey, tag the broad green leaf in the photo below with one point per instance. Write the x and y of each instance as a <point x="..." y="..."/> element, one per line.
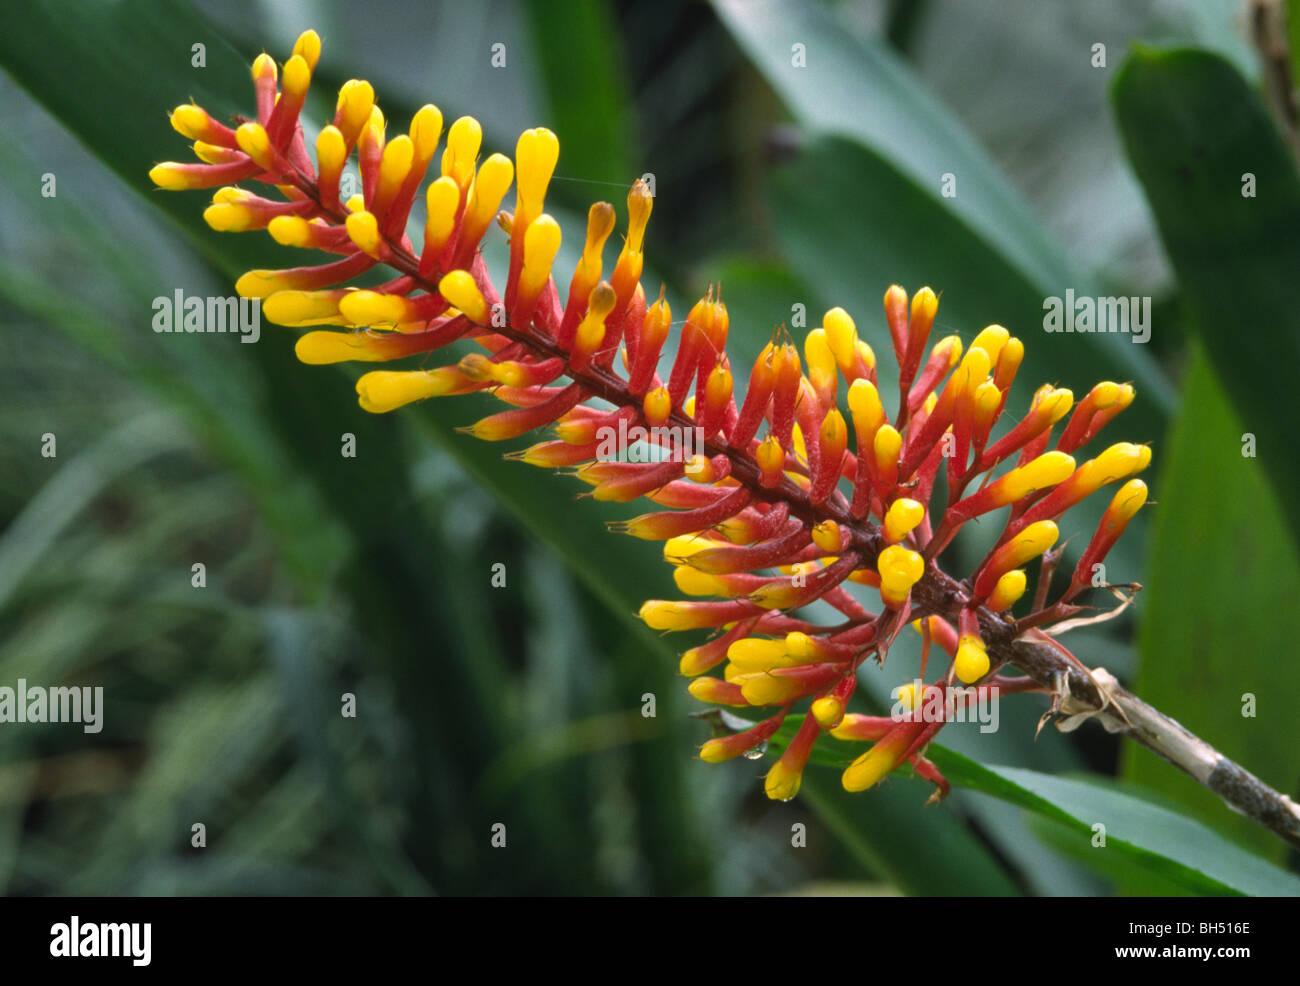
<point x="1197" y="134"/>
<point x="835" y="83"/>
<point x="1147" y="835"/>
<point x="864" y="207"/>
<point x="577" y="50"/>
<point x="1226" y="197"/>
<point x="1214" y="638"/>
<point x="1169" y="845"/>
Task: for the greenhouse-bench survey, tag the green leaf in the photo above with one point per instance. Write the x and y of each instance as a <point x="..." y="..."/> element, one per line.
<point x="833" y="82"/>
<point x="576" y="47"/>
<point x="1199" y="138"/>
<point x="1196" y="131"/>
<point x="1160" y="841"/>
<point x="862" y="205"/>
<point x="1146" y="835"/>
<point x="1214" y="630"/>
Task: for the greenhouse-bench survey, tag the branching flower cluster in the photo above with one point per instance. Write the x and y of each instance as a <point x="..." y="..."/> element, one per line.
<point x="797" y="486"/>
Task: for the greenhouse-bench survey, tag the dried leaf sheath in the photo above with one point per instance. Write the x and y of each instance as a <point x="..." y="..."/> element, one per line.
<point x="766" y="500"/>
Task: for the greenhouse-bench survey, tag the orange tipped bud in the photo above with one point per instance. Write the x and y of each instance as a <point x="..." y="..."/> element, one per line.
<point x="771" y="461"/>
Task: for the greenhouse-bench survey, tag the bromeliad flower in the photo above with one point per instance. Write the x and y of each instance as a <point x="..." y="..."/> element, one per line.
<point x="770" y="497"/>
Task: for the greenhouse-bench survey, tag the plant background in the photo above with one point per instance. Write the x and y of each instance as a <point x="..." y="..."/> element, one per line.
<point x="522" y="705"/>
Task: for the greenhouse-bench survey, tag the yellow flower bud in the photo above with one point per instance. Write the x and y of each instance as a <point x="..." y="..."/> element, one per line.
<point x="461" y="291"/>
<point x="900" y="568"/>
<point x="828" y="711"/>
<point x="1008" y="590"/>
<point x="902" y="517"/>
<point x="972" y="660"/>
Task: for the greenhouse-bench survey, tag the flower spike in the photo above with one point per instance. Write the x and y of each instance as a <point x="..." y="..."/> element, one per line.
<point x="769" y="496"/>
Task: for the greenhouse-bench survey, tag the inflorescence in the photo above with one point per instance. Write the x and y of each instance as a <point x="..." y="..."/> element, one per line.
<point x="784" y="499"/>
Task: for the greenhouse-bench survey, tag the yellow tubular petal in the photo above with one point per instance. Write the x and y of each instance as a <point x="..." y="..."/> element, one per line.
<point x="536" y="155"/>
<point x="991" y="339"/>
<point x="696" y="583"/>
<point x="639" y="205"/>
<point x="463" y="142"/>
<point x="308" y="46"/>
<point x="290" y="231"/>
<point x="710" y="690"/>
<point x="331" y="151"/>
<point x="1010" y="587"/>
<point x="296" y="308"/>
<point x="887" y="446"/>
<point x="899" y="568"/>
<point x="394" y="166"/>
<point x="190" y="121"/>
<point x="782" y="782"/>
<point x="426" y="129"/>
<point x="541" y="244"/>
<point x="461" y="291"/>
<point x="842" y="336"/>
<point x="1128" y="500"/>
<point x="756" y="653"/>
<point x="363" y="230"/>
<point x="373" y="308"/>
<point x="297" y="76"/>
<point x="263" y="65"/>
<point x="356" y="99"/>
<point x="227" y="217"/>
<point x="442" y="200"/>
<point x="322" y="348"/>
<point x="826" y="535"/>
<point x="1046" y="470"/>
<point x="600" y="223"/>
<point x="902" y="518"/>
<point x="972" y="660"/>
<point x="821" y="362"/>
<point x="253" y="141"/>
<point x="828" y="711"/>
<point x="762" y="688"/>
<point x="262" y="283"/>
<point x="657" y="405"/>
<point x="869" y="769"/>
<point x="381" y="391"/>
<point x="490" y="187"/>
<point x="591" y="330"/>
<point x="865" y="406"/>
<point x="1025" y="546"/>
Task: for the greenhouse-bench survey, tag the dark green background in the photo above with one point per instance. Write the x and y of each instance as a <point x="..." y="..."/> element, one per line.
<point x="817" y="185"/>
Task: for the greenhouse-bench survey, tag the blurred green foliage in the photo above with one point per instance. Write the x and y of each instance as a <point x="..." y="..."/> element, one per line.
<point x="519" y="705"/>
